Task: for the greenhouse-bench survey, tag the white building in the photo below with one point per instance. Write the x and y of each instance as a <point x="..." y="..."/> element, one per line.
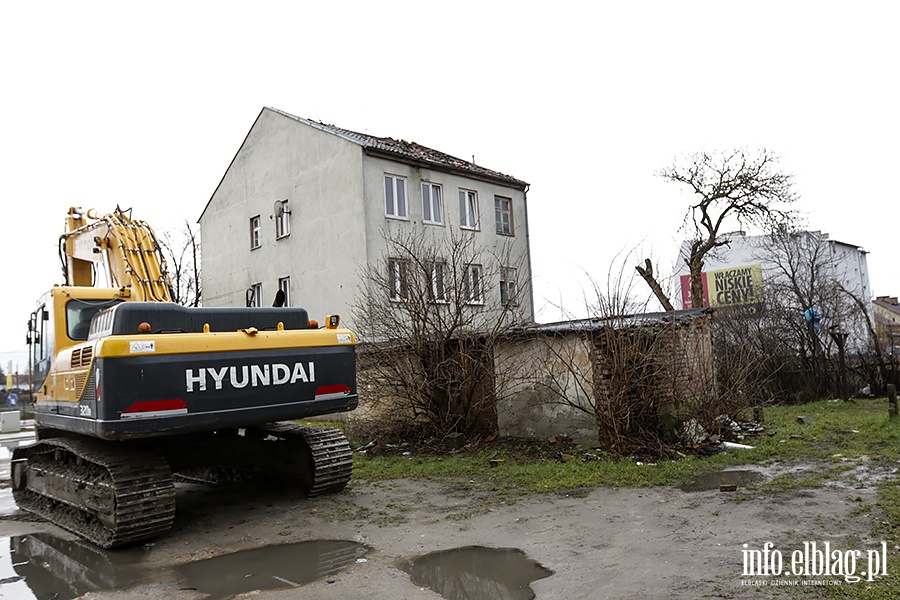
<point x="737" y="273"/>
<point x="303" y="207"/>
<point x="806" y="271"/>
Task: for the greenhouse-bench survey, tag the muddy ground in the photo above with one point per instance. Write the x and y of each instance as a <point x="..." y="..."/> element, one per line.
<point x="610" y="543"/>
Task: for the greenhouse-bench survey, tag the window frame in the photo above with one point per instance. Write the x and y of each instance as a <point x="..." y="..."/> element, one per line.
<point x="80" y="314"/>
<point x="398" y="280"/>
<point x="286" y="289"/>
<point x="500" y="212"/>
<point x="41" y="348"/>
<point x="465" y="217"/>
<point x="255" y="233"/>
<point x="257" y="294"/>
<point x="430" y="203"/>
<point x="437" y="276"/>
<point x="509" y="286"/>
<point x="474" y="282"/>
<point x="394" y="213"/>
<point x="283" y="223"/>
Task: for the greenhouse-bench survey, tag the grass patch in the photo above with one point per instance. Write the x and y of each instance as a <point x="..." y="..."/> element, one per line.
<point x="843" y="434"/>
<point x="540" y="474"/>
<point x="342" y="425"/>
<point x="803" y="480"/>
<point x="887" y="528"/>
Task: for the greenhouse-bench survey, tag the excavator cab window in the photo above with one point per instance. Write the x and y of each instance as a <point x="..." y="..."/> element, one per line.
<point x="79" y="314"/>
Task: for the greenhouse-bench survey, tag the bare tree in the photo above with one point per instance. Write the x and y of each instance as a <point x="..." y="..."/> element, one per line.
<point x="182" y="253"/>
<point x="811" y="308"/>
<point x="747" y="359"/>
<point x="431" y="315"/>
<point x="881" y="348"/>
<point x="730" y="188"/>
<point x="634" y="374"/>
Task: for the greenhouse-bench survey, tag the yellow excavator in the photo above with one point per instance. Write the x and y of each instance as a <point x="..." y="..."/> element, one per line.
<point x="132" y="390"/>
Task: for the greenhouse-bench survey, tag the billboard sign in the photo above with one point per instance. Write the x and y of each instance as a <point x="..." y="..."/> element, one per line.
<point x="733" y="286"/>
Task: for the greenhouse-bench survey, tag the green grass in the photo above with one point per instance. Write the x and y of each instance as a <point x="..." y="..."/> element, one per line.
<point x="342" y="425"/>
<point x="542" y="474"/>
<point x="886" y="527"/>
<point x="805" y="480"/>
<point x="830" y="438"/>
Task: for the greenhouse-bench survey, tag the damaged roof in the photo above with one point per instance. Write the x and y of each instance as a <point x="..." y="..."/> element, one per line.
<point x="411" y="153"/>
<point x="678" y="317"/>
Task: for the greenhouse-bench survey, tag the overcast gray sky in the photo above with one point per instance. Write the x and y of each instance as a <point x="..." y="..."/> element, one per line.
<point x="144" y="105"/>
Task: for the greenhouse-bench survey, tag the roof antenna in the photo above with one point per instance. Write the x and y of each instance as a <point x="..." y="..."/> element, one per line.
<point x="473" y="159"/>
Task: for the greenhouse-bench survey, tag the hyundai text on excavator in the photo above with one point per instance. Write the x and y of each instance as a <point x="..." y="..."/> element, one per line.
<point x="131" y="390"/>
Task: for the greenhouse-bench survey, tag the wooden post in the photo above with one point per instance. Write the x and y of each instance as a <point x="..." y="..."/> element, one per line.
<point x="841" y="339"/>
<point x="892" y="400"/>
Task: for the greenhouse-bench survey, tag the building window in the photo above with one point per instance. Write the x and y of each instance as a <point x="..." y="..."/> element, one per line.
<point x="432" y="210"/>
<point x="282" y="220"/>
<point x="254" y="233"/>
<point x="508" y="289"/>
<point x="284" y="284"/>
<point x="254" y="295"/>
<point x="437" y="293"/>
<point x="472" y="285"/>
<point x="395" y="196"/>
<point x="468" y="209"/>
<point x="503" y="212"/>
<point x="398" y="276"/>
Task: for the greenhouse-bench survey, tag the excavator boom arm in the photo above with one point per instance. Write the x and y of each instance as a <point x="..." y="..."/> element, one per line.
<point x="126" y="250"/>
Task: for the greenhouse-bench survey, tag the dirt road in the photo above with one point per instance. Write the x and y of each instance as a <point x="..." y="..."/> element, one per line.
<point x="611" y="543"/>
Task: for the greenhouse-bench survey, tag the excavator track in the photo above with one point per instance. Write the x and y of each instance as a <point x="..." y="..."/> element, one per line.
<point x="105" y="492"/>
<point x="332" y="458"/>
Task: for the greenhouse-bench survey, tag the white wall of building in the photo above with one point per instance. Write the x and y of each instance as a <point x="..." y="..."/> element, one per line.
<point x="321" y="177"/>
<point x="335" y="194"/>
<point x="527" y="410"/>
<point x="491" y="245"/>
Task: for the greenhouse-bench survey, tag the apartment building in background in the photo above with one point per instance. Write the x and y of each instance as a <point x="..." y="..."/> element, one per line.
<point x="304" y="207"/>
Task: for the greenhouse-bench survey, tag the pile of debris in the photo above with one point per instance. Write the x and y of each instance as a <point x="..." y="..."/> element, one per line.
<point x="730" y="436"/>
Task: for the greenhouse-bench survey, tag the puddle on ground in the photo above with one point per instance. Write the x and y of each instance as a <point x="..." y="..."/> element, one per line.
<point x="477" y="573"/>
<point x="40" y="565"/>
<point x="269" y="568"/>
<point x="712" y="481"/>
<point x="866" y="476"/>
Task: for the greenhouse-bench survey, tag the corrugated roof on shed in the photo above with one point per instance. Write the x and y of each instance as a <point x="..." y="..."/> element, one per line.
<point x="636" y="320"/>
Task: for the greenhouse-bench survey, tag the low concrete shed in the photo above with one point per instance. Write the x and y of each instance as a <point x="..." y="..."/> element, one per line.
<point x="551" y="378"/>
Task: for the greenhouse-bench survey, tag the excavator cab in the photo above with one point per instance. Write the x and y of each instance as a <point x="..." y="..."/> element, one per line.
<point x="62" y="319"/>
